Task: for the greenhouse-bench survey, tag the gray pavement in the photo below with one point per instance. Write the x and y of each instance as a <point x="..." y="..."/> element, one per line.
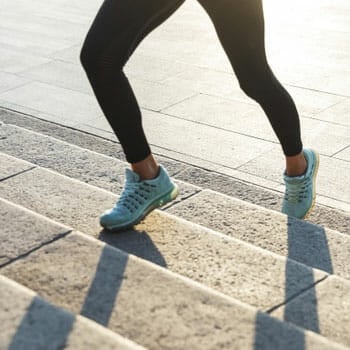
<point x="186" y="87"/>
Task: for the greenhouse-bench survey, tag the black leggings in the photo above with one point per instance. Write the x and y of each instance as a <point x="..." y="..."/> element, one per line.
<point x="120" y="25"/>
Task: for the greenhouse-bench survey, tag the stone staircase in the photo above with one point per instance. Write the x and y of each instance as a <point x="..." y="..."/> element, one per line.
<point x="212" y="270"/>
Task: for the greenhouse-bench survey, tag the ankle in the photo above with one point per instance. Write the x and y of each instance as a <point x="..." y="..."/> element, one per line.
<point x="147" y="169"/>
<point x="296" y="165"/>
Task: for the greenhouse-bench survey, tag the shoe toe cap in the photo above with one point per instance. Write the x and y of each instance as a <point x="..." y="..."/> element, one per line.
<point x="111" y="218"/>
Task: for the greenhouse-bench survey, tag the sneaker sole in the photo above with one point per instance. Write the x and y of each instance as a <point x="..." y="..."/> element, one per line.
<point x="157" y="203"/>
<point x="313" y="187"/>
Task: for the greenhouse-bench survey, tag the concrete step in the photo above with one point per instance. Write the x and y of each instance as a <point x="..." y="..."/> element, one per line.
<point x="29" y="322"/>
<point x="312" y="245"/>
<point x="141" y="301"/>
<point x="226" y="264"/>
<point x="89" y="170"/>
<point x="320" y="247"/>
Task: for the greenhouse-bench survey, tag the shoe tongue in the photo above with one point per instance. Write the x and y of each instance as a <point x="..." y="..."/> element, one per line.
<point x="294" y="179"/>
<point x="131" y="176"/>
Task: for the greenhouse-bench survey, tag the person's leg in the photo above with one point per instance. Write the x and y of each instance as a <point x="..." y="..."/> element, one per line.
<point x="240" y="28"/>
<point x="117" y="29"/>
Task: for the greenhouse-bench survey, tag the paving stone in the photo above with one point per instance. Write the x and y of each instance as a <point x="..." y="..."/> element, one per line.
<point x="157" y="96"/>
<point x="10" y="166"/>
<point x="36" y="44"/>
<point x="339" y="113"/>
<point x="34" y="24"/>
<point x="158" y="69"/>
<point x="249" y="119"/>
<point x="177" y="134"/>
<point x="30" y="322"/>
<point x="327" y="138"/>
<point x="313" y="76"/>
<point x="9" y="81"/>
<point x="9" y="105"/>
<point x="296" y="239"/>
<point x="23" y="231"/>
<point x="209" y="82"/>
<point x="331" y="297"/>
<point x="62" y="103"/>
<point x="61" y="74"/>
<point x="344" y="155"/>
<point x="183" y="314"/>
<point x="12" y="61"/>
<point x="69" y="55"/>
<point x="240" y="117"/>
<point x="310" y="102"/>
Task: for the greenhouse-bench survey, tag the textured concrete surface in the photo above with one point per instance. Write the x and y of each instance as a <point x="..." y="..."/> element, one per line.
<point x="227" y="265"/>
<point x="22" y="231"/>
<point x="78" y="205"/>
<point x="29" y="322"/>
<point x="310" y="244"/>
<point x="82" y="164"/>
<point x="10" y="166"/>
<point x="335" y="219"/>
<point x="333" y="308"/>
<point x="59" y="198"/>
<point x="98" y="171"/>
<point x="182" y="314"/>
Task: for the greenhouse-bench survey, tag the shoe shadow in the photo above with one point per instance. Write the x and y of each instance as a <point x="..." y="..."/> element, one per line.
<point x="43" y="326"/>
<point x="101" y="298"/>
<point x="134" y="242"/>
<point x="307" y="244"/>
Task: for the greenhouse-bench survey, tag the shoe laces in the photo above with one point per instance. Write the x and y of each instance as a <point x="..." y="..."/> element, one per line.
<point x="296" y="192"/>
<point x="134" y="194"/>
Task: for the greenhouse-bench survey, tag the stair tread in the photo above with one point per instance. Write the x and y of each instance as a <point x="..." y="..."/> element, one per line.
<point x="30" y="322"/>
<point x="312" y="245"/>
<point x="23" y="231"/>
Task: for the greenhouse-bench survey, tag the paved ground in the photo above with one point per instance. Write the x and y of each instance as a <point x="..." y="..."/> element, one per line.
<point x="192" y="106"/>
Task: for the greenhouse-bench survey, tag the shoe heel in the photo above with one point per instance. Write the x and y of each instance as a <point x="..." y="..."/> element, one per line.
<point x="317" y="164"/>
<point x="171" y="195"/>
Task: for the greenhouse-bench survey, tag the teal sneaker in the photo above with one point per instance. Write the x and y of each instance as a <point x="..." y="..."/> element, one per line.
<point x="137" y="199"/>
<point x="300" y="193"/>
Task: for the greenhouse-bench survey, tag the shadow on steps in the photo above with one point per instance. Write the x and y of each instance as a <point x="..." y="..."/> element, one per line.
<point x="135" y="242"/>
<point x="301" y="309"/>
